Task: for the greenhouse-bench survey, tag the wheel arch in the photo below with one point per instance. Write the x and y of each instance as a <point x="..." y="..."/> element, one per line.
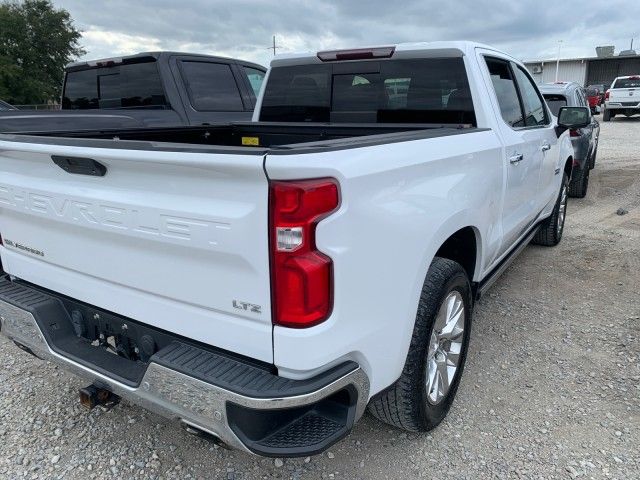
<point x="462" y="246"/>
<point x="568" y="167"/>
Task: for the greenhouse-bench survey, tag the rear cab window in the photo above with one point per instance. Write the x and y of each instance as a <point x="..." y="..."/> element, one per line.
<point x="211" y="86"/>
<point x="133" y="85"/>
<point x="429" y="91"/>
<point x="555" y="101"/>
<point x="633" y="82"/>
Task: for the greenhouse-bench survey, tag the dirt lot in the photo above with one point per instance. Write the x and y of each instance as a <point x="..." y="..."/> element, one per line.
<point x="551" y="388"/>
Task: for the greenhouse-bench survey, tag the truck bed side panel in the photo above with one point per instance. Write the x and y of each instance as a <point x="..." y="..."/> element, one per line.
<point x="399" y="203"/>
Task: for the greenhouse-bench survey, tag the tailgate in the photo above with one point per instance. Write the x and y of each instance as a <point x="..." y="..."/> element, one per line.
<point x="624" y="95"/>
<point x="175" y="239"/>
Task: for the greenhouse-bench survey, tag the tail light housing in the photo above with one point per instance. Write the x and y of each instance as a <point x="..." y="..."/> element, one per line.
<point x="301" y="275"/>
<point x="356" y="54"/>
<point x="606" y="95"/>
<point x="574" y="132"/>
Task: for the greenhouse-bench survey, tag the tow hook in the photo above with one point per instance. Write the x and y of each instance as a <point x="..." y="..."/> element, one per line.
<point x="94" y="396"/>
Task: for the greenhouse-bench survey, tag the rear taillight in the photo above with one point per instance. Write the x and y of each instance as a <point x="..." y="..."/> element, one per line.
<point x="606" y="95"/>
<point x="574" y="133"/>
<point x="301" y="275"/>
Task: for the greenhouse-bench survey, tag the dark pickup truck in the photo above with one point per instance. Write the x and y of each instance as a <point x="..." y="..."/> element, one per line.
<point x="151" y="89"/>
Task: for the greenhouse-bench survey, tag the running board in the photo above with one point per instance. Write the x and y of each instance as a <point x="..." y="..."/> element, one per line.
<point x="487" y="283"/>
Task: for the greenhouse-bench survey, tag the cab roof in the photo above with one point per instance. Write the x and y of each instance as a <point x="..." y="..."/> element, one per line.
<point x="558" y="87"/>
<point x="151" y="56"/>
<point x="399" y="50"/>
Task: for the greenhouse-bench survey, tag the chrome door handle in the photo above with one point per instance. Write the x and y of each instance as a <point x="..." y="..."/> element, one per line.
<point x="545" y="147"/>
<point x="515" y="159"/>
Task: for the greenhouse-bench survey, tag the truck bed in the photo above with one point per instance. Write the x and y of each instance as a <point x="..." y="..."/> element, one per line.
<point x="248" y="137"/>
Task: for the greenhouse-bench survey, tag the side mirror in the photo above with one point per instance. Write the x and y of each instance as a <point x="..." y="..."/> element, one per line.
<point x="573" y="117"/>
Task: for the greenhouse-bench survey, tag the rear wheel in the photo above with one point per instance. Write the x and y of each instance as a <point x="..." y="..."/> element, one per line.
<point x="550" y="231"/>
<point x="423" y="394"/>
<point x="579" y="181"/>
<point x="606" y="115"/>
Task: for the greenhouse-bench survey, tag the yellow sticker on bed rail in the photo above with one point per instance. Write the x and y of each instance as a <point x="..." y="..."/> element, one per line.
<point x="251" y="141"/>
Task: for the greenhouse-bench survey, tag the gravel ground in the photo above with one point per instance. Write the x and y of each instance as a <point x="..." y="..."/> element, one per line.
<point x="551" y="388"/>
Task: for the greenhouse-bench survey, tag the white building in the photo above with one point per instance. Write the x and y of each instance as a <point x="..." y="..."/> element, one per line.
<point x="585" y="71"/>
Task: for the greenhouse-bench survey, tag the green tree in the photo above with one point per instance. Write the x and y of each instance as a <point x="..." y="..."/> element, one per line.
<point x="36" y="42"/>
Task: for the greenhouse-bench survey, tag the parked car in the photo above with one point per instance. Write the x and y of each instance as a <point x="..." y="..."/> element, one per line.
<point x="622" y="98"/>
<point x="262" y="282"/>
<point x="4" y="106"/>
<point x="146" y="90"/>
<point x="594" y="98"/>
<point x="584" y="140"/>
<point x="601" y="88"/>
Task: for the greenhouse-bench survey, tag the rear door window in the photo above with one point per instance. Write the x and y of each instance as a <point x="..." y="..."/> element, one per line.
<point x="505" y="87"/>
<point x="134" y="85"/>
<point x="392" y="91"/>
<point x="211" y="86"/>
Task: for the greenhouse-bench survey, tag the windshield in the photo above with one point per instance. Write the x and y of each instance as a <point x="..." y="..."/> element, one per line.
<point x="633" y="82"/>
<point x="555" y="102"/>
<point x="135" y="85"/>
<point x="391" y="91"/>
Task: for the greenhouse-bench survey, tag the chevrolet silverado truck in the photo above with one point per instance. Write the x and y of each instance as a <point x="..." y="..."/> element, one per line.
<point x="146" y="90"/>
<point x="623" y="98"/>
<point x="264" y="282"/>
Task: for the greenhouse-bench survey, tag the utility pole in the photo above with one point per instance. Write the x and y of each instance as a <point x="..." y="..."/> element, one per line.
<point x="274" y="46"/>
<point x="558" y="59"/>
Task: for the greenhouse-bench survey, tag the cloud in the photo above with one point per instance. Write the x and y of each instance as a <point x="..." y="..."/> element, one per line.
<point x="244" y="28"/>
<point x="120" y="43"/>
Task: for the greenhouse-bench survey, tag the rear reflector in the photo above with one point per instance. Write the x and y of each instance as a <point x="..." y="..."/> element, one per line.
<point x="356" y="54"/>
<point x="301" y="275"/>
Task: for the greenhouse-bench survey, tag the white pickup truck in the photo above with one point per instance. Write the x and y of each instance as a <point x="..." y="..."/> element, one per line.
<point x="622" y="98"/>
<point x="264" y="282"/>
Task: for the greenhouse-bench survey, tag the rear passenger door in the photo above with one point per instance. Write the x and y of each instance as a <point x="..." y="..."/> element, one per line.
<point x="519" y="128"/>
<point x="212" y="92"/>
<point x="541" y="132"/>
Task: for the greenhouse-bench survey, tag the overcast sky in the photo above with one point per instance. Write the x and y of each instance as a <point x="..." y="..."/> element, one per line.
<point x="244" y="28"/>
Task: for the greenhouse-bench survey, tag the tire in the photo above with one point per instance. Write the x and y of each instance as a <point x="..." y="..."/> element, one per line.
<point x="550" y="232"/>
<point x="408" y="403"/>
<point x="579" y="182"/>
<point x="606" y="115"/>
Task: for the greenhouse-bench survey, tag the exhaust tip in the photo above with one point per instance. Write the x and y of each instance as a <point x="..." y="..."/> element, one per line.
<point x="192" y="429"/>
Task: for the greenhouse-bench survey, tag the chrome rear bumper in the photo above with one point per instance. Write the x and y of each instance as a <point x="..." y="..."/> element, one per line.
<point x="181" y="397"/>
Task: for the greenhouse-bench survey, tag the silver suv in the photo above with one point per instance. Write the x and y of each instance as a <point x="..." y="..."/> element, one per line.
<point x="584" y="140"/>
